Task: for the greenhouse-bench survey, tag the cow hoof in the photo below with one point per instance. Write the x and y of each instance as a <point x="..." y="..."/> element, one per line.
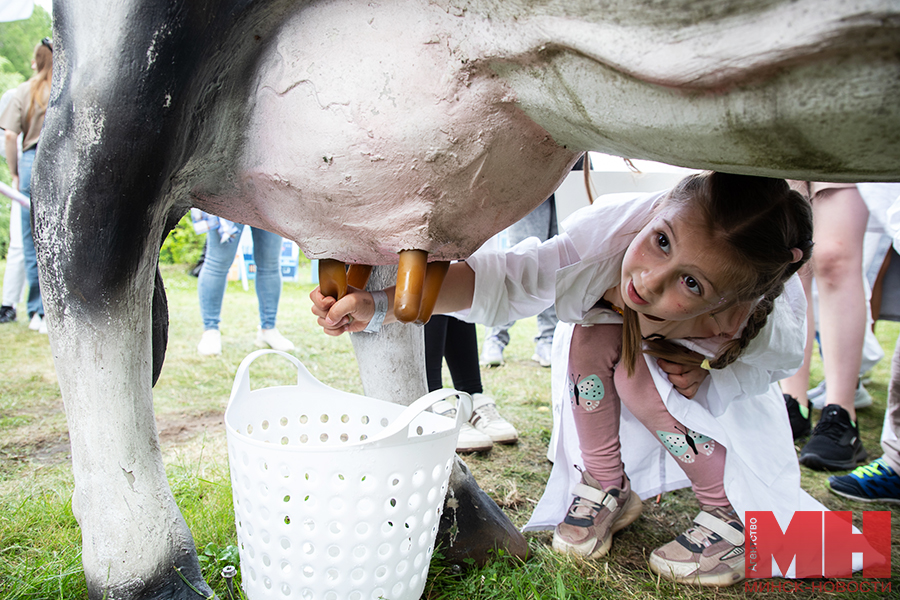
<point x="183" y="582"/>
<point x="472" y="526"/>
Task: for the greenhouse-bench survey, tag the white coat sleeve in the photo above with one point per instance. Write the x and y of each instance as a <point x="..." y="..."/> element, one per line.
<point x="517" y="283"/>
<point x="775" y="353"/>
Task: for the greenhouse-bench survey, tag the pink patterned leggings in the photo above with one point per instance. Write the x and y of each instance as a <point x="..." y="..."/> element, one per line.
<point x="596" y="387"/>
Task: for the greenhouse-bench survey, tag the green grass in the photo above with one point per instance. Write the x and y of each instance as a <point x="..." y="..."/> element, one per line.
<point x="40" y="540"/>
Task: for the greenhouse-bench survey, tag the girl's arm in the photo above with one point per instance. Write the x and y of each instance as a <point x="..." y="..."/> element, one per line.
<point x="353" y="312"/>
<point x="11" y="147"/>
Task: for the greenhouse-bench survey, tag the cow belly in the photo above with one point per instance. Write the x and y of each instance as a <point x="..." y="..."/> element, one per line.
<point x="378" y="135"/>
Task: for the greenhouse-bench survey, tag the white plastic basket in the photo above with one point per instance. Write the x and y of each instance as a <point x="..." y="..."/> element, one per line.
<point x="336" y="496"/>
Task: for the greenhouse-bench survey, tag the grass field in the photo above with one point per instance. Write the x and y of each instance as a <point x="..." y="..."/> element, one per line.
<point x="40" y="540"/>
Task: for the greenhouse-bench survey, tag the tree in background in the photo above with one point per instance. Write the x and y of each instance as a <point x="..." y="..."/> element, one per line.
<point x="18" y="39"/>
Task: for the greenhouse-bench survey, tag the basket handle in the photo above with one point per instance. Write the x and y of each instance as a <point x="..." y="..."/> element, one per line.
<point x="401" y="423"/>
<point x="242" y="377"/>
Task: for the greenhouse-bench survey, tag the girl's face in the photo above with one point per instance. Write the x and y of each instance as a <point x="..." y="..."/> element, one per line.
<point x="672" y="271"/>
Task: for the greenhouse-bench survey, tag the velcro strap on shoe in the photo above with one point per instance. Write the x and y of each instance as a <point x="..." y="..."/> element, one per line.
<point x="716" y="525"/>
<point x="597" y="496"/>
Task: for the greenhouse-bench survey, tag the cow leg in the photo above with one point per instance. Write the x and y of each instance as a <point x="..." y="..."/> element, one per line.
<point x="392" y="367"/>
<point x="135" y="543"/>
<point x="99" y="221"/>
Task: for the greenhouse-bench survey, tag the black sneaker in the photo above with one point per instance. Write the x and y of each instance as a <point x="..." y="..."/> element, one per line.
<point x="7" y="314"/>
<point x="800" y="425"/>
<point x="835" y="443"/>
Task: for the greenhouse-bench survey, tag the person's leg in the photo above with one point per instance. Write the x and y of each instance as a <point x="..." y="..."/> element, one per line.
<point x="891" y="443"/>
<point x="461" y="354"/>
<point x="593" y="356"/>
<point x="539" y="223"/>
<point x="267" y="256"/>
<point x="14" y="277"/>
<point x="495" y="342"/>
<point x="879" y="481"/>
<point x="437" y="342"/>
<point x="701" y="458"/>
<point x="543" y="342"/>
<point x="35" y="304"/>
<point x="13" y="282"/>
<point x="213" y="278"/>
<point x="435" y="335"/>
<point x="604" y="502"/>
<point x="710" y="552"/>
<point x="796" y="386"/>
<point x="839" y="217"/>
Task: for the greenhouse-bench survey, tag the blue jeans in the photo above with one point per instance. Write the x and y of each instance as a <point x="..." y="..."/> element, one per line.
<point x="35" y="302"/>
<point x="539" y="223"/>
<point x="214" y="276"/>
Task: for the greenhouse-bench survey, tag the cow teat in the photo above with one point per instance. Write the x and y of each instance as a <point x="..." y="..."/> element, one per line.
<point x="417" y="288"/>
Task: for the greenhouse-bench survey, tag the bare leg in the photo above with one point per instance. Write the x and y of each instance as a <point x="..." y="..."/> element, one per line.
<point x="840" y="216"/>
<point x="797" y="384"/>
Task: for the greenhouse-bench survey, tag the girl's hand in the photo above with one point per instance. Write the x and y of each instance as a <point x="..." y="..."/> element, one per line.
<point x="351" y="313"/>
<point x="685" y="378"/>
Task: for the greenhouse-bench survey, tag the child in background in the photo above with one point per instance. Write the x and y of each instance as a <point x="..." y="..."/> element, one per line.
<point x="690" y="276"/>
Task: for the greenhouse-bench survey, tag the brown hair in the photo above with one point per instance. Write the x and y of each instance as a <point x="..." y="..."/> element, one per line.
<point x="39" y="93"/>
<point x="757" y="222"/>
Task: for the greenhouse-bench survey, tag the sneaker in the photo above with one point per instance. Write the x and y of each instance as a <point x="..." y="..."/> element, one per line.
<point x="43" y="328"/>
<point x="800" y="425"/>
<point x="594" y="516"/>
<point x="470" y="439"/>
<point x="542" y="354"/>
<point x="816" y="391"/>
<point x="818" y="399"/>
<point x="834" y="444"/>
<point x="7" y="314"/>
<point x="874" y="482"/>
<point x="710" y="553"/>
<point x="210" y="343"/>
<point x="488" y="421"/>
<point x="271" y="338"/>
<point x="492" y="353"/>
<point x="35" y="323"/>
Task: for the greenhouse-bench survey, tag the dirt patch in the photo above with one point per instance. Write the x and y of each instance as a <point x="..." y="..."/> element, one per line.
<point x="176" y="429"/>
<point x="54" y="447"/>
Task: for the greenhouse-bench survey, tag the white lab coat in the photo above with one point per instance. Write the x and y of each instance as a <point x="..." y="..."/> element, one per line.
<point x="740" y="406"/>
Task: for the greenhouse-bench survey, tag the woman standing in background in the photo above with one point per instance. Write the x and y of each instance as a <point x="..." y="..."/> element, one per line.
<point x="25" y="115"/>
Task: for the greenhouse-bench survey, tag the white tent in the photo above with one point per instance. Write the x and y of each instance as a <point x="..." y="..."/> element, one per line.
<point x="16" y="10"/>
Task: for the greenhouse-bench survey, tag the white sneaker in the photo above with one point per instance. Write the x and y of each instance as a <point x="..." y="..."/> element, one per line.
<point x="274" y="340"/>
<point x="488" y="421"/>
<point x="36" y="321"/>
<point x="491" y="354"/>
<point x="818" y="396"/>
<point x="542" y="354"/>
<point x="470" y="439"/>
<point x="210" y="343"/>
<point x="43" y="328"/>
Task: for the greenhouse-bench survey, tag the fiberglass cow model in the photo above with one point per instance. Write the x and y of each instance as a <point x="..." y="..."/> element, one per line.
<point x="362" y="129"/>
